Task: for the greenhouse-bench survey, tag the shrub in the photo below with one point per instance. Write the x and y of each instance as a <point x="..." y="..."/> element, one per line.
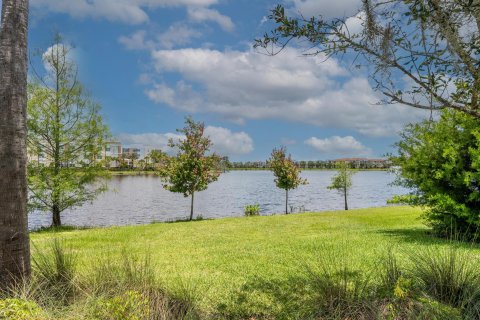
<point x="20" y="309"/>
<point x="132" y="305"/>
<point x="252" y="210"/>
<point x="440" y="161"/>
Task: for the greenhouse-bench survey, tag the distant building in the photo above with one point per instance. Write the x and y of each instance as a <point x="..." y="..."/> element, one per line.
<point x="37" y="156"/>
<point x="131" y="155"/>
<point x="112" y="149"/>
<point x="111" y="153"/>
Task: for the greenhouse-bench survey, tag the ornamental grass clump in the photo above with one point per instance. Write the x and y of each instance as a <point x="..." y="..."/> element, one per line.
<point x="252" y="210"/>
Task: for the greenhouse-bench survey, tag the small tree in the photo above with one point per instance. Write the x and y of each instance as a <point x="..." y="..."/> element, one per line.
<point x="64" y="124"/>
<point x="192" y="169"/>
<point x="287" y="175"/>
<point x="342" y="181"/>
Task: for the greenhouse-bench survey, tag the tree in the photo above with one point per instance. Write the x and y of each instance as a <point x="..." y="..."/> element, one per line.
<point x="14" y="240"/>
<point x="193" y="169"/>
<point x="420" y="53"/>
<point x="157" y="158"/>
<point x="440" y="162"/>
<point x="342" y="181"/>
<point x="287" y="175"/>
<point x="65" y="124"/>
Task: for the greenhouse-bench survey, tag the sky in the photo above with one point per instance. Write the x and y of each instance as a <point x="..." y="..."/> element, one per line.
<point x="150" y="63"/>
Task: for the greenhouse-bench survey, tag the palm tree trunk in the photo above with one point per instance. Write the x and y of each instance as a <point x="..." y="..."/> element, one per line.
<point x="14" y="241"/>
<point x="191" y="207"/>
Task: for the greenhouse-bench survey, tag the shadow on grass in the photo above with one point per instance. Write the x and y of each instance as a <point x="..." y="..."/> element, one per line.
<point x="411" y="235"/>
<point x="59" y="229"/>
<point x="426" y="237"/>
<point x="199" y="218"/>
<point x="288" y="298"/>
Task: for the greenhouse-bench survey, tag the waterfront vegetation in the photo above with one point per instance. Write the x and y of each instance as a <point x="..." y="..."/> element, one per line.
<point x="329" y="265"/>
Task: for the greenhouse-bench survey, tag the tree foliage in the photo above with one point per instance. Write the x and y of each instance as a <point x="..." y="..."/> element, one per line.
<point x="193" y="168"/>
<point x="287" y="174"/>
<point x="342" y="181"/>
<point x="440" y="161"/>
<point x="420" y="53"/>
<point x="66" y="129"/>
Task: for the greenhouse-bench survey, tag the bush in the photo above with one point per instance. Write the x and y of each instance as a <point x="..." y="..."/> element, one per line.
<point x="20" y="309"/>
<point x="440" y="161"/>
<point x="132" y="305"/>
<point x="252" y="210"/>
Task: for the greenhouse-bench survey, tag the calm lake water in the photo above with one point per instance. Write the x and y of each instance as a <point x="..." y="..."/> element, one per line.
<point x="142" y="199"/>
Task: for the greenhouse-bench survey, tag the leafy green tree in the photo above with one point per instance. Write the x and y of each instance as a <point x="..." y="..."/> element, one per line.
<point x="193" y="168"/>
<point x="14" y="240"/>
<point x="157" y="158"/>
<point x="65" y="124"/>
<point x="342" y="181"/>
<point x="440" y="162"/>
<point x="287" y="174"/>
<point x="423" y="54"/>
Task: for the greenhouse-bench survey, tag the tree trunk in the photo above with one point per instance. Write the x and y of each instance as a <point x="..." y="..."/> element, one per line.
<point x="56" y="219"/>
<point x="14" y="241"/>
<point x="286" y="201"/>
<point x="345" y="196"/>
<point x="191" y="207"/>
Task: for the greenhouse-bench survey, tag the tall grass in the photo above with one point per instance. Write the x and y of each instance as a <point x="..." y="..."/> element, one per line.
<point x="431" y="283"/>
<point x="134" y="276"/>
<point x="115" y="288"/>
<point x="450" y="275"/>
<point x="342" y="290"/>
<point x="54" y="272"/>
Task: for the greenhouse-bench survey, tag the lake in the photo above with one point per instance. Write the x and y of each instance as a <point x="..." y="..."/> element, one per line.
<point x="142" y="199"/>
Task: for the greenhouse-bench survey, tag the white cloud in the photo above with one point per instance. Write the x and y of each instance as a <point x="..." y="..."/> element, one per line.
<point x="288" y="141"/>
<point x="325" y="8"/>
<point x="204" y="14"/>
<point x="339" y="146"/>
<point x="113" y="10"/>
<point x="126" y="11"/>
<point x="136" y="41"/>
<point x="177" y="34"/>
<point x="225" y="142"/>
<point x="242" y="85"/>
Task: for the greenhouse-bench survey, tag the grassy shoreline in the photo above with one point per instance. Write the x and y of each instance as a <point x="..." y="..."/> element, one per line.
<point x="253" y="266"/>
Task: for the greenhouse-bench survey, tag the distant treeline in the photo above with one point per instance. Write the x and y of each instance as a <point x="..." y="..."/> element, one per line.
<point x="325" y="164"/>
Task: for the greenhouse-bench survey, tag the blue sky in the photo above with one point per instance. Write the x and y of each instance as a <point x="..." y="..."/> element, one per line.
<point x="149" y="63"/>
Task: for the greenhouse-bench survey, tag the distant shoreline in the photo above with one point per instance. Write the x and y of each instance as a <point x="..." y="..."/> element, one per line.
<point x="141" y="173"/>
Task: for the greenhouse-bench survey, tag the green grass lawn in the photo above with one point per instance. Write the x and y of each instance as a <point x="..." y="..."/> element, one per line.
<point x="255" y="265"/>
